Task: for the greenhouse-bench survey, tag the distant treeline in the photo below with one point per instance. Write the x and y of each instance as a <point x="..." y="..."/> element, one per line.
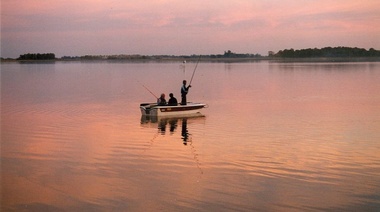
<point x="327" y="52"/>
<point x="227" y="54"/>
<point x="38" y="56"/>
<point x="106" y="57"/>
<point x="230" y="54"/>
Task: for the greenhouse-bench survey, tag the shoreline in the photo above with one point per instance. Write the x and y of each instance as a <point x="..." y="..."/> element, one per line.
<point x="205" y="59"/>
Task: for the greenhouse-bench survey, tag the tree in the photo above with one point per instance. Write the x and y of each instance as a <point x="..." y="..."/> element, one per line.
<point x="328" y="52"/>
<point x="38" y="56"/>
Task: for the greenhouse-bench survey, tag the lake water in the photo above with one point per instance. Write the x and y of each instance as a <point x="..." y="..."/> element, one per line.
<point x="275" y="137"/>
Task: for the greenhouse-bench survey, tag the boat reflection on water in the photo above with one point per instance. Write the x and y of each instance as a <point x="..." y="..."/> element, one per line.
<point x="171" y="123"/>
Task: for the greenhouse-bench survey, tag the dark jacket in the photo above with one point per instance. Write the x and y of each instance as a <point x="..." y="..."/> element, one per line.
<point x="173" y="101"/>
<point x="184" y="90"/>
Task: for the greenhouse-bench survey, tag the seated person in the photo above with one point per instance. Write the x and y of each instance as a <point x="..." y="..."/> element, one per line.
<point x="172" y="100"/>
<point x="161" y="101"/>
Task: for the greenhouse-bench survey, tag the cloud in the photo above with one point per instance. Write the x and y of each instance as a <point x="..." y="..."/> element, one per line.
<point x="121" y="26"/>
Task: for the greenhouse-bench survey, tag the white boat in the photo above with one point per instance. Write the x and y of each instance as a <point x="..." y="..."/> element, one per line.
<point x="152" y="109"/>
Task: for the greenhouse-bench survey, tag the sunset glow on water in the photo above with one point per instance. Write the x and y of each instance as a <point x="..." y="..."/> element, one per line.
<point x="275" y="137"/>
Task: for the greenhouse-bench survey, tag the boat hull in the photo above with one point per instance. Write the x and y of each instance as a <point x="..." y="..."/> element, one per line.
<point x="150" y="109"/>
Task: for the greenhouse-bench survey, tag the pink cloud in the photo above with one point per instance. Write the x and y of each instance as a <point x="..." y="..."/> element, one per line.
<point x="136" y="26"/>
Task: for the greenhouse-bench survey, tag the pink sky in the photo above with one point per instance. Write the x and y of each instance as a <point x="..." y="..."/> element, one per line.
<point x="177" y="27"/>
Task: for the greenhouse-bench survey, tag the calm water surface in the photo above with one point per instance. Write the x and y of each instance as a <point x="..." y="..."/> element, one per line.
<point x="275" y="137"/>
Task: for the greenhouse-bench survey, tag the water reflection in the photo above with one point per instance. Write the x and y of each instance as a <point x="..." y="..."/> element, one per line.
<point x="164" y="122"/>
<point x="275" y="140"/>
<point x="172" y="124"/>
<point x="184" y="132"/>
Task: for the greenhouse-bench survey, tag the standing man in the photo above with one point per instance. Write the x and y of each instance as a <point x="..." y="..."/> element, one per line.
<point x="184" y="91"/>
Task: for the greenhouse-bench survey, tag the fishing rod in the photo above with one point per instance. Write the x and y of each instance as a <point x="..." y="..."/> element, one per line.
<point x="149" y="90"/>
<point x="195" y="69"/>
